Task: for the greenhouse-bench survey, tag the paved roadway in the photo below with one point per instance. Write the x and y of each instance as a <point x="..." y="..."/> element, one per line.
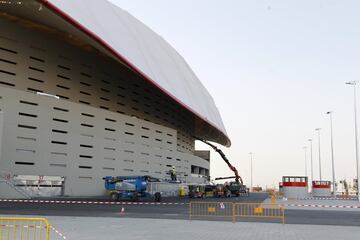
<point x="169" y="210"/>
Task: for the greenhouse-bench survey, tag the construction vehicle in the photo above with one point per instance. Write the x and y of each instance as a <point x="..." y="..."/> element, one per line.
<point x="235" y="187"/>
<point x="220" y="190"/>
<point x="197" y="191"/>
<point x="131" y="187"/>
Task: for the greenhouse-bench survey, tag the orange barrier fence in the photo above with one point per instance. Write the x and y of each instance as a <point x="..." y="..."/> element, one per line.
<point x="12" y="228"/>
<point x="235" y="210"/>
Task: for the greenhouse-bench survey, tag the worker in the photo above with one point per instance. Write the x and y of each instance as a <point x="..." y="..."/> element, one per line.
<point x="173" y="174"/>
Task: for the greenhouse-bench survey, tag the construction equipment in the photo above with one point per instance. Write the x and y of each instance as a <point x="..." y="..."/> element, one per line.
<point x="130" y="187"/>
<point x="237" y="187"/>
<point x="197" y="191"/>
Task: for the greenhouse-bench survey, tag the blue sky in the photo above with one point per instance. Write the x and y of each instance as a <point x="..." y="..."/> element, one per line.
<point x="274" y="69"/>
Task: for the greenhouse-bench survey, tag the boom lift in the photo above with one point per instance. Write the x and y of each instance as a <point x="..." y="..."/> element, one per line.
<point x="237" y="186"/>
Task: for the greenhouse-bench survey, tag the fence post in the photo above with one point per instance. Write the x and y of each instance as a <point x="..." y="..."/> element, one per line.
<point x="190" y="211"/>
<point x="233" y="212"/>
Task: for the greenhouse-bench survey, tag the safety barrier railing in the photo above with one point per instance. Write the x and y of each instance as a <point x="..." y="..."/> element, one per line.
<point x="12" y="228"/>
<point x="259" y="210"/>
<point x="210" y="209"/>
<point x="235" y="210"/>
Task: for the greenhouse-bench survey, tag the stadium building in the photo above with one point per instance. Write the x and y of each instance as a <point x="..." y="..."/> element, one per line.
<point x="86" y="91"/>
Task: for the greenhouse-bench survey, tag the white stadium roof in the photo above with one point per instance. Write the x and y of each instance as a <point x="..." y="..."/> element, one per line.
<point x="131" y="42"/>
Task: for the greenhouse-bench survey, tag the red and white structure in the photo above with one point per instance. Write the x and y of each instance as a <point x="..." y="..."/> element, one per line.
<point x="321" y="188"/>
<point x="295" y="186"/>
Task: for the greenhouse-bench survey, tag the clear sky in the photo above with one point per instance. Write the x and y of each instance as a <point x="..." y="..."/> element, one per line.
<point x="274" y="69"/>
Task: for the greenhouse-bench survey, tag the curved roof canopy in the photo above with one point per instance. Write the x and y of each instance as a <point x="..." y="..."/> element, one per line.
<point x="134" y="44"/>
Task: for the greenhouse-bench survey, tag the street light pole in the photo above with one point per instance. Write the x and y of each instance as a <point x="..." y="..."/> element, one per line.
<point x="354" y="83"/>
<point x="311" y="161"/>
<point x="332" y="153"/>
<point x="305" y="161"/>
<point x="251" y="171"/>
<point x="318" y="130"/>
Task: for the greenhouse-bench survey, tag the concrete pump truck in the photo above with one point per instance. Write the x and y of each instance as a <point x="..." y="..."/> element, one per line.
<point x="235" y="187"/>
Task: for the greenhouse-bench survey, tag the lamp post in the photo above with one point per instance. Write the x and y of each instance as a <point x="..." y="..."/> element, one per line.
<point x="318" y="131"/>
<point x="311" y="161"/>
<point x="305" y="161"/>
<point x="332" y="154"/>
<point x="251" y="171"/>
<point x="354" y="83"/>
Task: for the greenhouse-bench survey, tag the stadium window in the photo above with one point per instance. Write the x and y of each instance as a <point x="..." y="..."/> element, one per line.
<point x="110" y="120"/>
<point x="87" y="103"/>
<point x="63" y="67"/>
<point x="63" y="97"/>
<point x="35" y="79"/>
<point x="86" y="146"/>
<point x="24" y="163"/>
<point x="110" y="129"/>
<point x="36" y="69"/>
<point x="109" y="168"/>
<point x="26" y="126"/>
<point x="62" y="77"/>
<point x="85" y="74"/>
<point x="87" y="125"/>
<point x="26" y="138"/>
<point x="63" y="87"/>
<point x="57" y="165"/>
<point x="21" y="150"/>
<point x="58" y="153"/>
<point x="37" y="59"/>
<point x="85" y="167"/>
<point x="60" y="120"/>
<point x="27" y="115"/>
<point x="61" y="109"/>
<point x="59" y="142"/>
<point x="59" y="131"/>
<point x="87" y="115"/>
<point x="85" y="84"/>
<point x="110" y="149"/>
<point x="85" y="93"/>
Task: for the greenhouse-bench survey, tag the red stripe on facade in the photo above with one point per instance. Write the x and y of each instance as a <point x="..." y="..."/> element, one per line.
<point x="321" y="186"/>
<point x="295" y="184"/>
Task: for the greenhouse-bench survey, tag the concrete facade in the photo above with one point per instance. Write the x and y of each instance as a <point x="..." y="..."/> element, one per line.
<point x="67" y="110"/>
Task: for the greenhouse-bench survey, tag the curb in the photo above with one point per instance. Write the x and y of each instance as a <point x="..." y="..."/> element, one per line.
<point x="89" y="202"/>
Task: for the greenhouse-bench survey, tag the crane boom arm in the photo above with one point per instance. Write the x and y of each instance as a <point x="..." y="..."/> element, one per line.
<point x="237" y="177"/>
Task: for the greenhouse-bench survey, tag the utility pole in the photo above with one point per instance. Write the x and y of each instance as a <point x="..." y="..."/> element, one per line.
<point x="354" y="83"/>
<point x="251" y="171"/>
<point x="332" y="154"/>
<point x="318" y="130"/>
<point x="311" y="162"/>
<point x="305" y="161"/>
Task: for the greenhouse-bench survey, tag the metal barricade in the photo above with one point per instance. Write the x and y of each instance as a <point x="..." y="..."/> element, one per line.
<point x="210" y="209"/>
<point x="236" y="210"/>
<point x="13" y="228"/>
<point x="258" y="210"/>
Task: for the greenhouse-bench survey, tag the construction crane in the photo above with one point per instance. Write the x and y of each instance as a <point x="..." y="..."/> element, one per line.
<point x="237" y="177"/>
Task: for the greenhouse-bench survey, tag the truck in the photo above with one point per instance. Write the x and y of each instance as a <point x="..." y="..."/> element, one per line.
<point x="236" y="187"/>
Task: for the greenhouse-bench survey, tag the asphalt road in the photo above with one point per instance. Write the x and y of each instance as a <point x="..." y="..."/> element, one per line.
<point x="172" y="211"/>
